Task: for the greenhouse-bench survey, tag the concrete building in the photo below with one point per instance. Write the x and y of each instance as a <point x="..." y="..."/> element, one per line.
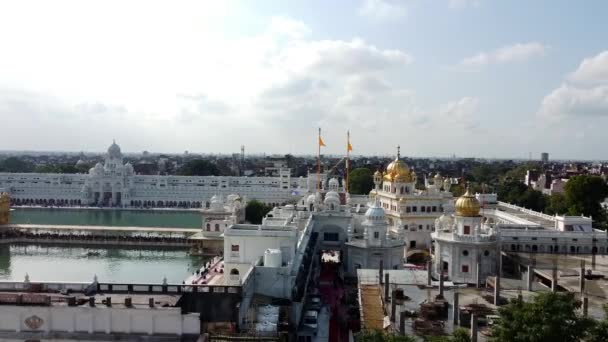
<point x="35" y="311"/>
<point x="544" y="157"/>
<point x="471" y="238"/>
<point x="115" y="183"/>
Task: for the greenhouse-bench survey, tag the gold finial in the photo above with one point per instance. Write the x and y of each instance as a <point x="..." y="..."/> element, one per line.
<point x="398" y="152"/>
<point x="467" y="205"/>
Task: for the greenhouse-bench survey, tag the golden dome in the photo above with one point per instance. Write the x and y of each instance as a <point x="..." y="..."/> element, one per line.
<point x="398" y="171"/>
<point x="467" y="205"/>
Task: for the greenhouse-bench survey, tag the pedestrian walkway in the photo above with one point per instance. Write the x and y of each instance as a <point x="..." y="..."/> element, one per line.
<point x="331" y="289"/>
<point x="208" y="274"/>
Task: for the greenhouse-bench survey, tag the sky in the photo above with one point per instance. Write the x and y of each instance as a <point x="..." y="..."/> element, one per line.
<point x="471" y="78"/>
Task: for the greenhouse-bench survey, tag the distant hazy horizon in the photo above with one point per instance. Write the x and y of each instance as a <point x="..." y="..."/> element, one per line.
<point x="331" y="155"/>
<point x="493" y="79"/>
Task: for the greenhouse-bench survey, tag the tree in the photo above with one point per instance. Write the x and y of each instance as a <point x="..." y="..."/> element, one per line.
<point x="519" y="173"/>
<point x="584" y="195"/>
<point x="199" y="167"/>
<point x="457" y="190"/>
<point x="459" y="335"/>
<point x="59" y="168"/>
<point x="551" y="316"/>
<point x="599" y="333"/>
<point x="360" y="181"/>
<point x="557" y="204"/>
<point x="255" y="211"/>
<point x="14" y="164"/>
<point x="381" y="336"/>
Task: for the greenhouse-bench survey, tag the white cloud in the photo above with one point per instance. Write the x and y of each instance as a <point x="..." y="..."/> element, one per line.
<point x="338" y="57"/>
<point x="592" y="69"/>
<point x="569" y="100"/>
<point x="383" y="9"/>
<point x="518" y="52"/>
<point x="460" y="112"/>
<point x="289" y="27"/>
<point x="583" y="93"/>
<point x="186" y="76"/>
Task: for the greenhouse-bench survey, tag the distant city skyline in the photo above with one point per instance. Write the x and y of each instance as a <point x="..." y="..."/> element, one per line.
<point x="474" y="78"/>
<point x="308" y="155"/>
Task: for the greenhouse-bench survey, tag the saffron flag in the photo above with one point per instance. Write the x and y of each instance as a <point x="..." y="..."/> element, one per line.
<point x="321" y="143"/>
<point x="349" y="147"/>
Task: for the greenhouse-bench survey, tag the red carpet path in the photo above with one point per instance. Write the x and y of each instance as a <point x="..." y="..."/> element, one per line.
<point x="332" y="291"/>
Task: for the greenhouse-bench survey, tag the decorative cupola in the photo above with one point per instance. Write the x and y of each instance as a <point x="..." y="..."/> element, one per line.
<point x="467" y="205"/>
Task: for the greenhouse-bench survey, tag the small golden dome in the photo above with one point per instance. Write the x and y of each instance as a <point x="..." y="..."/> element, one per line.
<point x="398" y="171"/>
<point x="467" y="205"/>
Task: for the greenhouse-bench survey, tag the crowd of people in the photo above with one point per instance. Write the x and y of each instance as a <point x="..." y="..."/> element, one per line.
<point x="72" y="203"/>
<point x="135" y="239"/>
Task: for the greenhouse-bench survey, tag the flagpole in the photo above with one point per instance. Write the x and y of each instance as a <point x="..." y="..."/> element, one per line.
<point x="319" y="162"/>
<point x="347" y="160"/>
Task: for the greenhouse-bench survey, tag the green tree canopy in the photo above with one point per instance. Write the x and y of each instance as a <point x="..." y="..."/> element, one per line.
<point x="360" y="181"/>
<point x="61" y="168"/>
<point x="255" y="211"/>
<point x="551" y="316"/>
<point x="199" y="167"/>
<point x="599" y="333"/>
<point x="584" y="195"/>
<point x="557" y="204"/>
<point x="381" y="336"/>
<point x="14" y="164"/>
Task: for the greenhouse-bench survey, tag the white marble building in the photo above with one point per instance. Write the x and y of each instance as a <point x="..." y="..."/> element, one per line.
<point x="114" y="183"/>
<point x="465" y="248"/>
<point x="376" y="245"/>
<point x="471" y="238"/>
<point x="410" y="213"/>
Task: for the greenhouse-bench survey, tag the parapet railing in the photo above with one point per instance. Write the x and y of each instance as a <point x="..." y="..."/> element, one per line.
<point x="527" y="211"/>
<point x="128" y="288"/>
<point x="467" y="238"/>
<point x="166" y="289"/>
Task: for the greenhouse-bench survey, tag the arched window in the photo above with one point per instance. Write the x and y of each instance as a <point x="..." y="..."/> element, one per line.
<point x="234" y="271"/>
<point x="217" y="227"/>
<point x="465" y="252"/>
<point x="208" y="226"/>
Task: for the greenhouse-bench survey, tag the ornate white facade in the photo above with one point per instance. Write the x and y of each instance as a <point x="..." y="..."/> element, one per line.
<point x="410" y="212"/>
<point x="114" y="183"/>
<point x="376" y="246"/>
<point x="465" y="249"/>
<point x="472" y="238"/>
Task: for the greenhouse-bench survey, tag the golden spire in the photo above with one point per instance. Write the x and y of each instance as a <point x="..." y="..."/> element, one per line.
<point x="467" y="205"/>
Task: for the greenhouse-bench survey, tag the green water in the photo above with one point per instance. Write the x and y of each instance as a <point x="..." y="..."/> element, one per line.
<point x="107" y="217"/>
<point x="53" y="263"/>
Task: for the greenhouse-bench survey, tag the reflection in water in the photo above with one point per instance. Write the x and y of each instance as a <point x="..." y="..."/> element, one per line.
<point x="107" y="217"/>
<point x="55" y="263"/>
<point x="5" y="260"/>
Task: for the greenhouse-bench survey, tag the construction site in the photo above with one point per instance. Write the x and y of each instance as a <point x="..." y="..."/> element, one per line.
<point x="410" y="302"/>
